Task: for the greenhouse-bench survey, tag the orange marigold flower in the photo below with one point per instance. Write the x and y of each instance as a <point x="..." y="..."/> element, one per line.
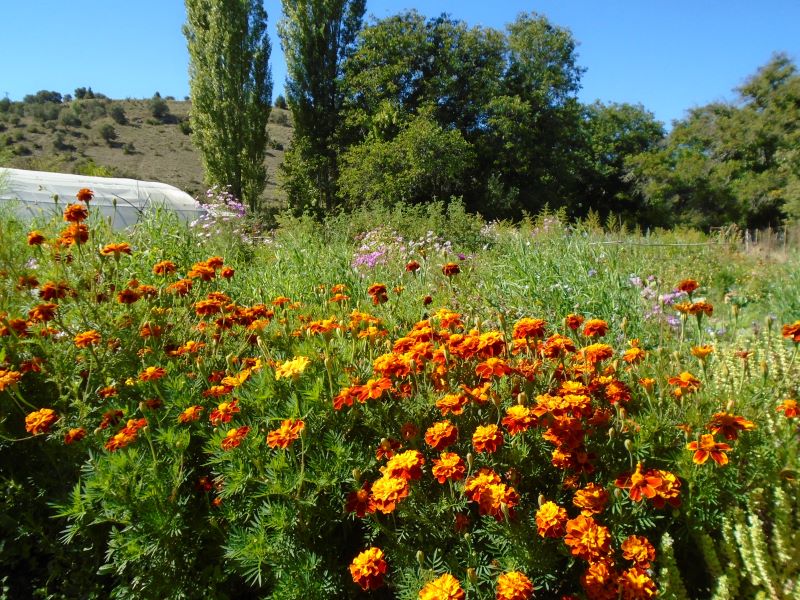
<point x="599" y="581"/>
<point x="412" y="266"/>
<point x="152" y="374"/>
<point x="477" y="483"/>
<point x="685" y="381"/>
<point x="441" y="434"/>
<point x="165" y="267"/>
<point x="514" y="586"/>
<point x="9" y="378"/>
<point x="792" y="332"/>
<point x="789" y="408"/>
<point x="75" y="213"/>
<point x="639" y="550"/>
<point x="640" y="484"/>
<point x="378" y="293"/>
<point x="180" y="287"/>
<point x="451" y="269"/>
<point x="75" y="434"/>
<point x="224" y="412"/>
<point x="387" y="492"/>
<point x="492" y="367"/>
<point x="729" y="425"/>
<point x="702" y="307"/>
<point x="345" y="397"/>
<point x="595" y="328"/>
<point x="404" y="465"/>
<point x="617" y="392"/>
<point x="557" y="345"/>
<point x="288" y="432"/>
<point x="518" y="419"/>
<point x="647" y="382"/>
<point x="452" y="403"/>
<point x="528" y="328"/>
<point x="84" y="194"/>
<point x="54" y="290"/>
<point x="498" y="500"/>
<point x="126" y="435"/>
<point x="368" y="569"/>
<point x="190" y="414"/>
<point x="702" y="352"/>
<point x="687" y="285"/>
<point x="445" y="587"/>
<point x="374" y="389"/>
<point x="636" y="584"/>
<point x="87" y="338"/>
<point x="36" y="238"/>
<point x="449" y="465"/>
<point x="634" y="355"/>
<point x="40" y="421"/>
<point x="573" y="321"/>
<point x="43" y="312"/>
<point x="358" y="502"/>
<point x="227" y="272"/>
<point x="234" y="437"/>
<point x="128" y="296"/>
<point x="595" y="353"/>
<point x="591" y="499"/>
<point x="116" y="250"/>
<point x="709" y="447"/>
<point x="550" y="520"/>
<point x="587" y="539"/>
<point x="487" y="438"/>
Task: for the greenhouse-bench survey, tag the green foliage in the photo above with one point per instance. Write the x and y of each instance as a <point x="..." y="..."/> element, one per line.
<point x="108" y="133"/>
<point x="280" y="102"/>
<point x="231" y="92"/>
<point x="118" y="114"/>
<point x="159" y="108"/>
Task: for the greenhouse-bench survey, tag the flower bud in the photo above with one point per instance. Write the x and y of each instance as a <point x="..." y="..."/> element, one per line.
<point x="612" y="433"/>
<point x="522" y="398"/>
<point x="357" y="475"/>
<point x="729" y="405"/>
<point x="420" y="558"/>
<point x="541" y="500"/>
<point x="629" y="445"/>
<point x="469" y="460"/>
<point x="472" y="575"/>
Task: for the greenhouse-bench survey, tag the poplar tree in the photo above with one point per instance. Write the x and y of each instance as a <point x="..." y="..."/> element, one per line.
<point x="317" y="36"/>
<point x="231" y="92"/>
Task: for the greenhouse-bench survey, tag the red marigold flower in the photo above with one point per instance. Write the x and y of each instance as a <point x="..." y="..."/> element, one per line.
<point x="639" y="550"/>
<point x="165" y="267"/>
<point x="84" y="194"/>
<point x="445" y="587"/>
<point x="115" y="249"/>
<point x="234" y="437"/>
<point x="288" y="432"/>
<point x="487" y="438"/>
<point x="43" y="312"/>
<point x="518" y="419"/>
<point x="87" y="338"/>
<point x="368" y="569"/>
<point x="449" y="465"/>
<point x="441" y="434"/>
<point x="451" y="269"/>
<point x="75" y="434"/>
<point x="557" y="345"/>
<point x="190" y="414"/>
<point x="75" y="233"/>
<point x="126" y="435"/>
<point x="599" y="581"/>
<point x="374" y="388"/>
<point x="640" y="484"/>
<point x="591" y="499"/>
<point x="404" y="465"/>
<point x="40" y="421"/>
<point x="128" y="296"/>
<point x="587" y="539"/>
<point x="36" y="238"/>
<point x="702" y="307"/>
<point x="227" y="272"/>
<point x="595" y="328"/>
<point x="387" y="492"/>
<point x="709" y="447"/>
<point x="345" y="397"/>
<point x="412" y="266"/>
<point x="358" y="502"/>
<point x="789" y="408"/>
<point x="573" y="321"/>
<point x="685" y="381"/>
<point x="514" y="586"/>
<point x="550" y="520"/>
<point x="152" y="374"/>
<point x="387" y="448"/>
<point x="687" y="286"/>
<point x="729" y="425"/>
<point x="75" y="213"/>
<point x="792" y="332"/>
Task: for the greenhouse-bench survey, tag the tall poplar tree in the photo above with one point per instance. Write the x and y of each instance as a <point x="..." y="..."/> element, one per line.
<point x="317" y="36"/>
<point x="231" y="91"/>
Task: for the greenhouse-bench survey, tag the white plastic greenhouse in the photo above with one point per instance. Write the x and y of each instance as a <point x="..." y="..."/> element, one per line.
<point x="122" y="201"/>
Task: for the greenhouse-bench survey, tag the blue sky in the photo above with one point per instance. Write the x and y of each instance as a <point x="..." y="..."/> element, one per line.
<point x="667" y="55"/>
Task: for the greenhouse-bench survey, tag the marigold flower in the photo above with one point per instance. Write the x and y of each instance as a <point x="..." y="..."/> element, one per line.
<point x="528" y="328"/>
<point x="518" y="419"/>
<point x="595" y="328"/>
<point x="43" y="312"/>
<point x="587" y="539"/>
<point x="152" y="374"/>
<point x="288" y="432"/>
<point x="75" y="213"/>
<point x="368" y="569"/>
<point x="378" y="293"/>
<point x="87" y="338"/>
<point x="345" y="397"/>
<point x="374" y="389"/>
<point x="180" y="287"/>
<point x="40" y="421"/>
<point x="9" y="378"/>
<point x="452" y="403"/>
<point x="573" y="321"/>
<point x="412" y="266"/>
<point x="599" y="581"/>
<point x="685" y="381"/>
<point x="227" y="272"/>
<point x="404" y="465"/>
<point x="75" y="434"/>
<point x="441" y="434"/>
<point x="387" y="492"/>
<point x="729" y="425"/>
<point x="709" y="447"/>
<point x="557" y="345"/>
<point x="445" y="587"/>
<point x="450" y="466"/>
<point x="165" y="267"/>
<point x="358" y="502"/>
<point x="701" y="307"/>
<point x="591" y="499"/>
<point x="636" y="584"/>
<point x="84" y="194"/>
<point x="292" y="368"/>
<point x="498" y="500"/>
<point x="116" y="250"/>
<point x="54" y="290"/>
<point x="223" y="413"/>
<point x="788" y="407"/>
<point x="201" y="271"/>
<point x="639" y="550"/>
<point x="126" y="435"/>
<point x="550" y="520"/>
<point x="128" y="296"/>
<point x="687" y="286"/>
<point x="514" y="586"/>
<point x="190" y="414"/>
<point x="487" y="438"/>
<point x="475" y="485"/>
<point x="492" y="367"/>
<point x="640" y="484"/>
<point x="451" y="269"/>
<point x="36" y="238"/>
<point x="702" y="352"/>
<point x="234" y="437"/>
<point x="595" y="353"/>
<point x="792" y="331"/>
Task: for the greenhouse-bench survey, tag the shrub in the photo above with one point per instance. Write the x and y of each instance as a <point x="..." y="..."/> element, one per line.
<point x="159" y="108"/>
<point x="118" y="114"/>
<point x="280" y="102"/>
<point x="108" y="133"/>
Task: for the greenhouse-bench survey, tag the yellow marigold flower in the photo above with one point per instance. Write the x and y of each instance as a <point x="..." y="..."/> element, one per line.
<point x="702" y="352"/>
<point x="292" y="368"/>
<point x="445" y="587"/>
<point x="40" y="421"/>
<point x="404" y="465"/>
<point x="387" y="492"/>
<point x="368" y="569"/>
<point x="514" y="586"/>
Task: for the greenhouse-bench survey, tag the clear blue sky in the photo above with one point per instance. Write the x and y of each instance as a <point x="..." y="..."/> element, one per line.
<point x="667" y="55"/>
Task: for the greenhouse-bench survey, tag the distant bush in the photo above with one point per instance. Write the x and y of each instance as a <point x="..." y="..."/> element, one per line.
<point x="46" y="111"/>
<point x="90" y="109"/>
<point x="42" y="97"/>
<point x="185" y="127"/>
<point x="275" y="145"/>
<point x="159" y="107"/>
<point x="129" y="148"/>
<point x="5" y="105"/>
<point x="280" y="119"/>
<point x="83" y="93"/>
<point x="70" y="119"/>
<point x="108" y="133"/>
<point x="118" y="114"/>
<point x="280" y="102"/>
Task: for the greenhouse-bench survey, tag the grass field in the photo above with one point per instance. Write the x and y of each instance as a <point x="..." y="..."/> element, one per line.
<point x="436" y="407"/>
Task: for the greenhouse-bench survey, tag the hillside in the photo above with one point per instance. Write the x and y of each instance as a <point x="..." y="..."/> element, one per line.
<point x="68" y="138"/>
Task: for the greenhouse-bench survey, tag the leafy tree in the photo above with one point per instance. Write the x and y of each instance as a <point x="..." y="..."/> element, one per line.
<point x="317" y="36"/>
<point x="43" y="96"/>
<point x="280" y="102"/>
<point x="231" y="92"/>
<point x="159" y="107"/>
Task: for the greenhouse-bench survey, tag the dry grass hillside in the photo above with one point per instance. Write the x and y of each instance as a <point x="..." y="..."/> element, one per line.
<point x="120" y="138"/>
